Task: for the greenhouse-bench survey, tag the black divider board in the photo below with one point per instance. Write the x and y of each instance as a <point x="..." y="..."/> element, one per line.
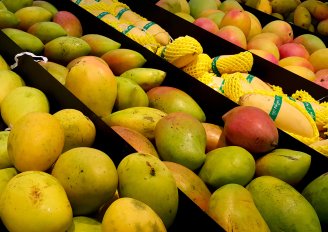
<point x="214" y="46"/>
<point x="189" y="216"/>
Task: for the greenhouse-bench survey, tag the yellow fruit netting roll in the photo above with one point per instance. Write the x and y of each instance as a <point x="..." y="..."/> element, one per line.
<point x="181" y="51"/>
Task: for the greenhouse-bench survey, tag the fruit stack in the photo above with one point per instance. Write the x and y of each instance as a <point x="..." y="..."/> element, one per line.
<point x="185" y="156"/>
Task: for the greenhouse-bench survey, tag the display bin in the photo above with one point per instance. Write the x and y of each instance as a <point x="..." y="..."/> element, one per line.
<point x="189" y="216"/>
<point x="214" y="46"/>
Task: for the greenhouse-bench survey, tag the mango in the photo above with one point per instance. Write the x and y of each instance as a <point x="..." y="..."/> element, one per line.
<point x="35" y="142"/>
<point x="32" y="14"/>
<point x="311" y="42"/>
<point x="84" y="224"/>
<point x="286" y="164"/>
<point x="9" y="81"/>
<point x="97" y="90"/>
<point x="295" y="61"/>
<point x="46" y="31"/>
<point x="233" y="208"/>
<point x="139" y="175"/>
<point x="8" y="19"/>
<point x="228" y="5"/>
<point x="22" y="100"/>
<point x="129" y="94"/>
<point x="190" y="184"/>
<point x="13" y="6"/>
<point x="171" y="99"/>
<point x="174" y="6"/>
<point x="58" y="71"/>
<point x="65" y="49"/>
<point x="281" y="28"/>
<point x="301" y="71"/>
<point x="316" y="193"/>
<point x="181" y="138"/>
<point x="123" y="59"/>
<point x="318" y="58"/>
<point x="2" y="6"/>
<point x="38" y="201"/>
<point x="46" y="5"/>
<point x="136" y="216"/>
<point x="226" y="165"/>
<point x="5" y="175"/>
<point x="256" y="26"/>
<point x="88" y="176"/>
<point x="69" y="22"/>
<point x="282" y="206"/>
<point x="79" y="130"/>
<point x="3" y="64"/>
<point x="137" y="140"/>
<point x="5" y="162"/>
<point x="24" y="40"/>
<point x="238" y="18"/>
<point x="100" y="44"/>
<point x="147" y="78"/>
<point x="322" y="27"/>
<point x="213" y="134"/>
<point x="198" y="6"/>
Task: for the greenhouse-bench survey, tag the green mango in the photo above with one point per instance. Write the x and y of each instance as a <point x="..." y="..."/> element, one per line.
<point x="129" y="94"/>
<point x="33" y="14"/>
<point x="58" y="71"/>
<point x="46" y="31"/>
<point x="181" y="138"/>
<point x="24" y="40"/>
<point x="316" y="193"/>
<point x="84" y="224"/>
<point x="282" y="206"/>
<point x="5" y="161"/>
<point x="286" y="164"/>
<point x="14" y="5"/>
<point x="171" y="99"/>
<point x="100" y="44"/>
<point x="5" y="175"/>
<point x="46" y="5"/>
<point x="8" y="19"/>
<point x="144" y="177"/>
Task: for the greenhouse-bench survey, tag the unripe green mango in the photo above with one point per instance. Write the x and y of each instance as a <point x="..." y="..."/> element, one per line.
<point x="8" y="19"/>
<point x="2" y="6"/>
<point x="282" y="206"/>
<point x="46" y="31"/>
<point x="316" y="193"/>
<point x="146" y="178"/>
<point x="58" y="71"/>
<point x="24" y="40"/>
<point x="147" y="78"/>
<point x="65" y="49"/>
<point x="233" y="208"/>
<point x="14" y="5"/>
<point x="100" y="44"/>
<point x="286" y="164"/>
<point x="181" y="138"/>
<point x="171" y="99"/>
<point x="129" y="94"/>
<point x="32" y="14"/>
<point x="46" y="5"/>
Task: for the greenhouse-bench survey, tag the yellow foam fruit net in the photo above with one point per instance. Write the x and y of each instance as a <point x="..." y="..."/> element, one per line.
<point x="240" y="62"/>
<point x="320" y="147"/>
<point x="181" y="51"/>
<point x="207" y="78"/>
<point x="232" y="85"/>
<point x="200" y="66"/>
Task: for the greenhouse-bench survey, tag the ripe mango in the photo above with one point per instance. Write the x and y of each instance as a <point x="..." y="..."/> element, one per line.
<point x="318" y="59"/>
<point x="147" y="78"/>
<point x="137" y="140"/>
<point x="65" y="49"/>
<point x="310" y="41"/>
<point x="5" y="175"/>
<point x="3" y="64"/>
<point x="13" y="6"/>
<point x="24" y="40"/>
<point x="282" y="206"/>
<point x="69" y="22"/>
<point x="100" y="44"/>
<point x="170" y="99"/>
<point x="46" y="209"/>
<point x="8" y="19"/>
<point x="46" y="5"/>
<point x="139" y="175"/>
<point x="129" y="94"/>
<point x="29" y="15"/>
<point x="286" y="164"/>
<point x="190" y="184"/>
<point x="316" y="193"/>
<point x="58" y="71"/>
<point x="97" y="90"/>
<point x="9" y="80"/>
<point x="322" y="27"/>
<point x="123" y="59"/>
<point x="136" y="216"/>
<point x="233" y="208"/>
<point x="46" y="31"/>
<point x="181" y="138"/>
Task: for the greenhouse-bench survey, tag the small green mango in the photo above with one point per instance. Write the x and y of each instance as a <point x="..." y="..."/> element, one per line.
<point x="46" y="31"/>
<point x="24" y="40"/>
<point x="46" y="5"/>
<point x="129" y="94"/>
<point x="181" y="138"/>
<point x="8" y="19"/>
<point x="14" y="5"/>
<point x="170" y="99"/>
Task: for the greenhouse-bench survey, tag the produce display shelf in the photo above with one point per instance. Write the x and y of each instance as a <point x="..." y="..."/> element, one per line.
<point x="214" y="46"/>
<point x="189" y="216"/>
